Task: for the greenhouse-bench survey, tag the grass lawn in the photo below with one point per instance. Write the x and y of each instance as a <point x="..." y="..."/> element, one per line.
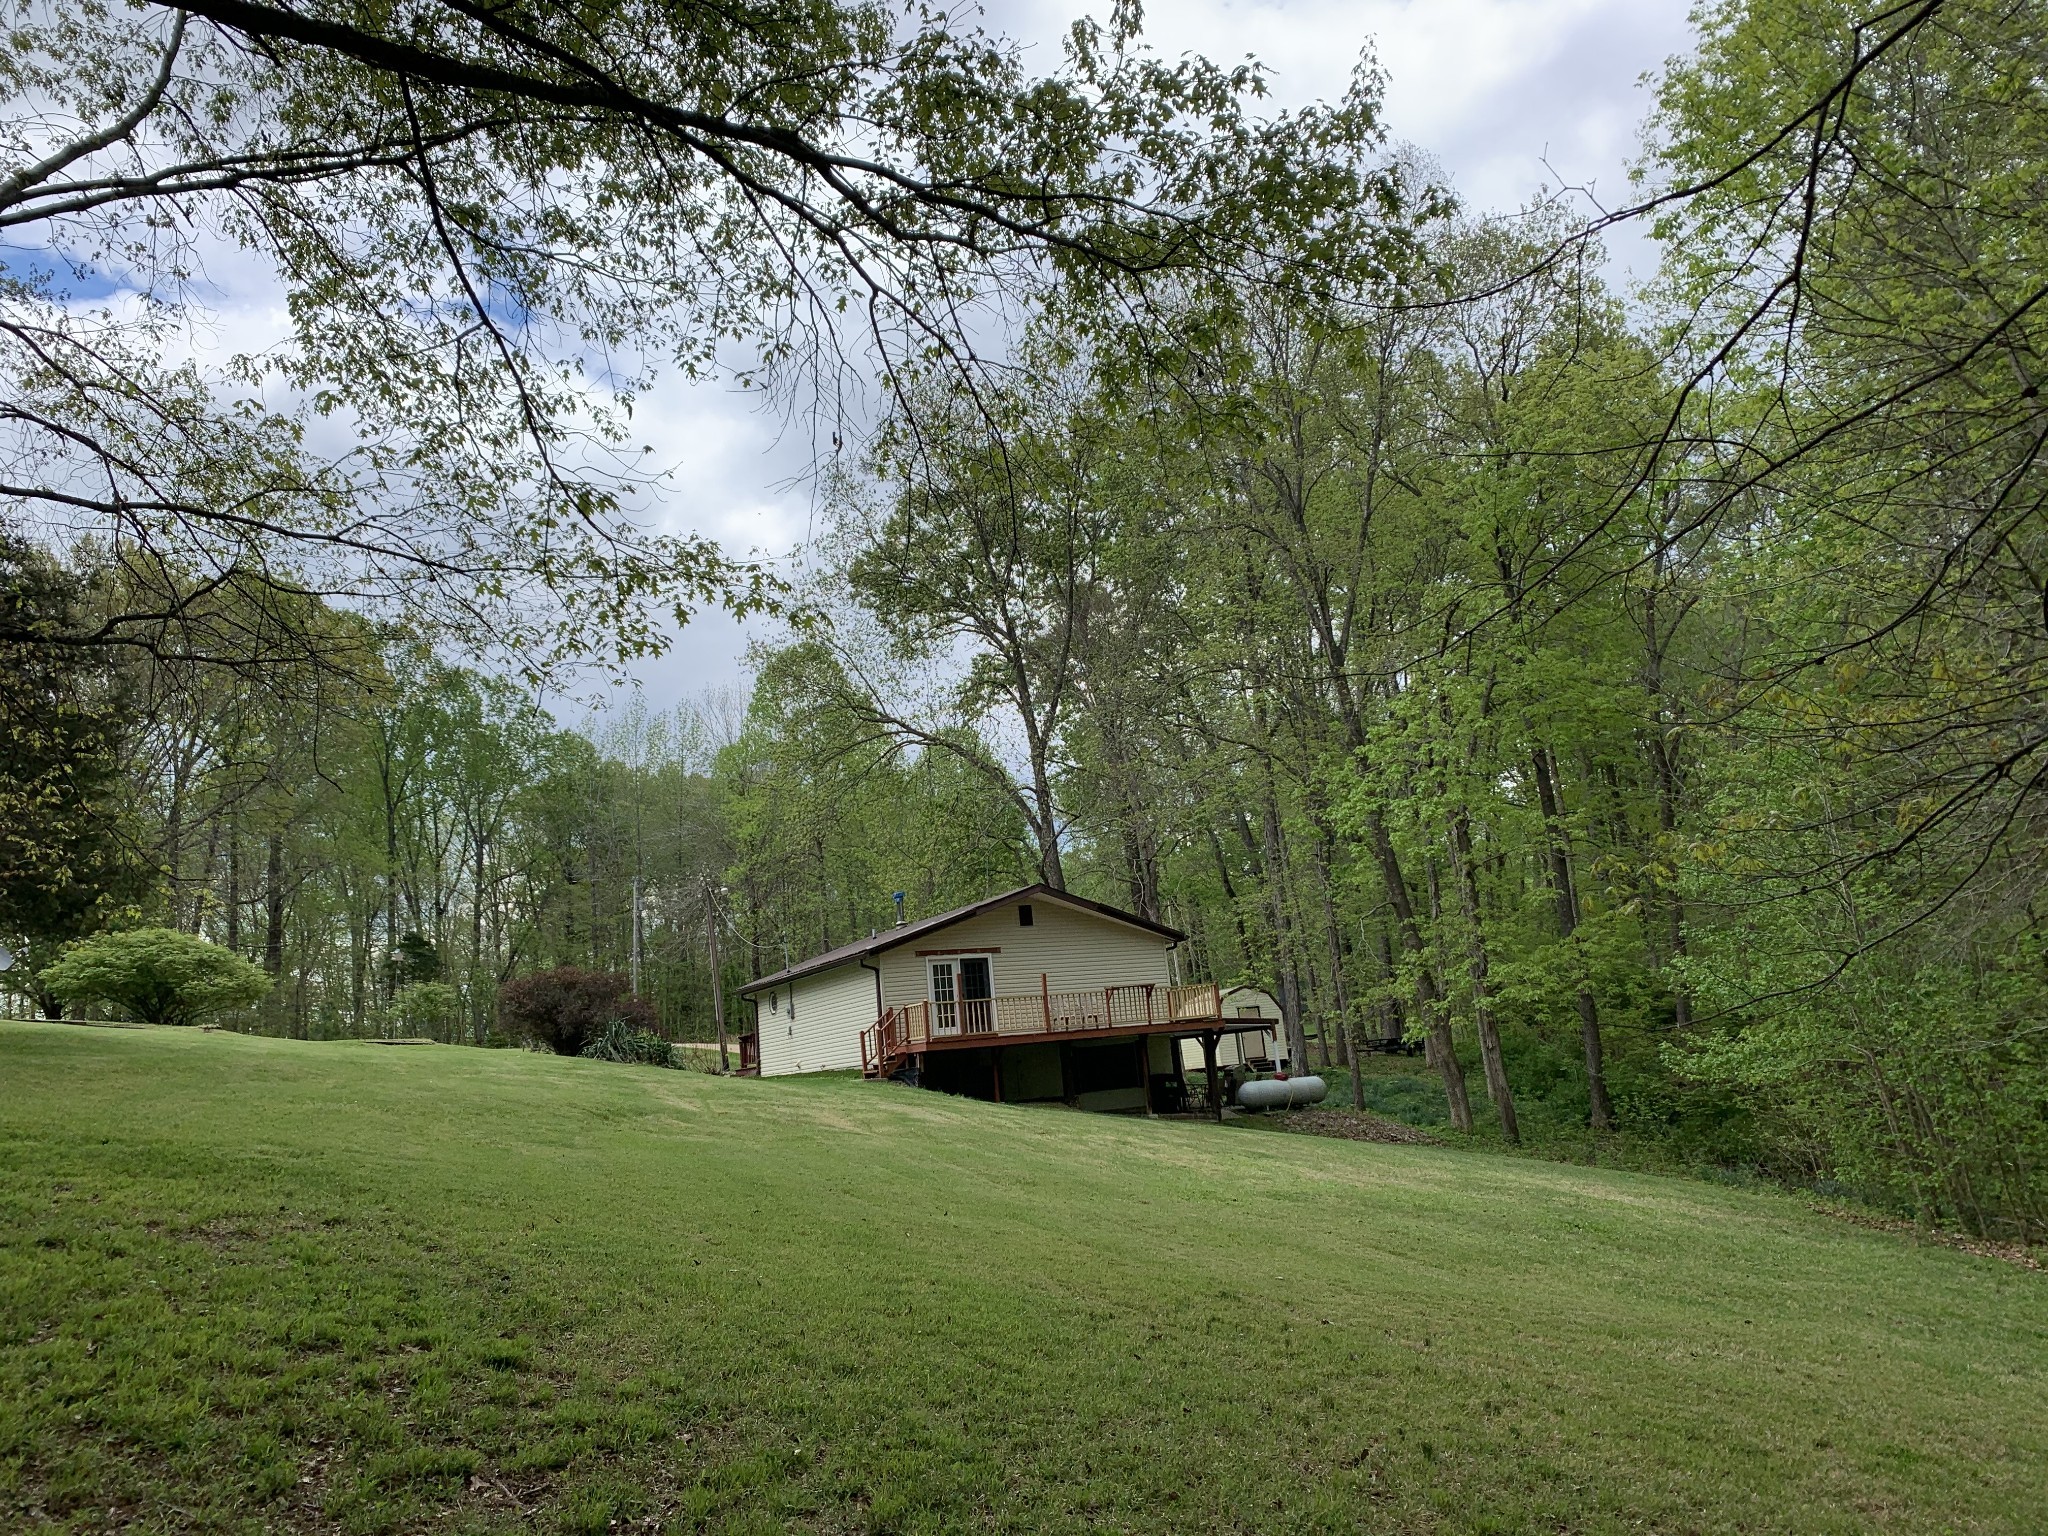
<point x="261" y="1285"/>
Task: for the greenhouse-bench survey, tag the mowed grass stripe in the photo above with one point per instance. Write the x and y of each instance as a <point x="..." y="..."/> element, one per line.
<point x="265" y="1285"/>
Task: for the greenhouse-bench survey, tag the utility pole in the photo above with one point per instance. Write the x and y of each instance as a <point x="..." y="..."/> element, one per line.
<point x="713" y="918"/>
<point x="636" y="934"/>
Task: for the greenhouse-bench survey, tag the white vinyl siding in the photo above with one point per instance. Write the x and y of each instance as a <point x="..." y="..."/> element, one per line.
<point x="1076" y="950"/>
<point x="831" y="1008"/>
<point x="1237" y="999"/>
<point x="1232" y="1050"/>
<point x="1237" y="1050"/>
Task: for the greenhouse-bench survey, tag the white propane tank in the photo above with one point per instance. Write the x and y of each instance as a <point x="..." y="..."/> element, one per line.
<point x="1282" y="1092"/>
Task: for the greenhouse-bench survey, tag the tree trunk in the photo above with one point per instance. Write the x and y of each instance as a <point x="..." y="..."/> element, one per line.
<point x="1351" y="1065"/>
<point x="1046" y="832"/>
<point x="273" y="906"/>
<point x="1042" y="811"/>
<point x="1244" y="943"/>
<point x="1565" y="897"/>
<point x="1439" y="1049"/>
<point x="390" y="895"/>
<point x="360" y="922"/>
<point x="174" y="827"/>
<point x="1476" y="967"/>
<point x="1333" y="937"/>
<point x="234" y="901"/>
<point x="1664" y="766"/>
<point x="204" y="892"/>
<point x="1393" y="1027"/>
<point x="1141" y="860"/>
<point x="477" y="1028"/>
<point x="1285" y="978"/>
<point x="1315" y="999"/>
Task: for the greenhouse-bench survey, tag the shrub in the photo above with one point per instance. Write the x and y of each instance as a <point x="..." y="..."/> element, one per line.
<point x="619" y="1041"/>
<point x="424" y="1008"/>
<point x="159" y="975"/>
<point x="564" y="1009"/>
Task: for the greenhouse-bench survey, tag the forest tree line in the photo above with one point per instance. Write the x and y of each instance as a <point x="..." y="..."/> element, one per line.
<point x="394" y="843"/>
<point x="1633" y="698"/>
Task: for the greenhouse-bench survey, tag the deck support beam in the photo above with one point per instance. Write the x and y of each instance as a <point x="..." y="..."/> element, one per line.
<point x="1209" y="1039"/>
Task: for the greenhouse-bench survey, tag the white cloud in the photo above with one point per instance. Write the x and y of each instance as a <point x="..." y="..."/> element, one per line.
<point x="738" y="469"/>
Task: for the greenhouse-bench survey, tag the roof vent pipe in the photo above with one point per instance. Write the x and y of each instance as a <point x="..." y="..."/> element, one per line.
<point x="898" y="899"/>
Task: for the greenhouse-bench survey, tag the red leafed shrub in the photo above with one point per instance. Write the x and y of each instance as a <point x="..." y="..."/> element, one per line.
<point x="567" y="1007"/>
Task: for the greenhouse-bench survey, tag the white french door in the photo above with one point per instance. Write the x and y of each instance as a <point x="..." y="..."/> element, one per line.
<point x="945" y="998"/>
<point x="962" y="992"/>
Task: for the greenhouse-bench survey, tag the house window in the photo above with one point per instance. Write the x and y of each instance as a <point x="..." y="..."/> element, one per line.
<point x="1024" y="915"/>
<point x="1249" y="1013"/>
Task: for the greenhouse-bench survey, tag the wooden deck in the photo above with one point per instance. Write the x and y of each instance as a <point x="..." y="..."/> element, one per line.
<point x="1025" y="1017"/>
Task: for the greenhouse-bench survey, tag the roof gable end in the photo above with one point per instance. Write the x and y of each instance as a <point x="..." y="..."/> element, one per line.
<point x="891" y="938"/>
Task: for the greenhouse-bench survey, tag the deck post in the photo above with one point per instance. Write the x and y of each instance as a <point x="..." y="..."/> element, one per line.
<point x="996" y="1060"/>
<point x="1144" y="1044"/>
<point x="1209" y="1039"/>
<point x="1066" y="1073"/>
<point x="1045" y="1000"/>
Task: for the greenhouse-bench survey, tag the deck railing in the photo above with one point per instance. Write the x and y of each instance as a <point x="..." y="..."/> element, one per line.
<point x="915" y="1026"/>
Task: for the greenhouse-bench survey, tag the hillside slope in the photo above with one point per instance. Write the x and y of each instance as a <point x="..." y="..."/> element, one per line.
<point x="256" y="1284"/>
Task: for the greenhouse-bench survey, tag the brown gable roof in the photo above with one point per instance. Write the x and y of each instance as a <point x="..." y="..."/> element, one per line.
<point x="890" y="938"/>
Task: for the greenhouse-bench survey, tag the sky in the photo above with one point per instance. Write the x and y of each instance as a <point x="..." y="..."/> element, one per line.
<point x="1509" y="96"/>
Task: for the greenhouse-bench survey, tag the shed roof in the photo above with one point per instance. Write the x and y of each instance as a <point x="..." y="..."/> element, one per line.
<point x="1252" y="986"/>
<point x="890" y="938"/>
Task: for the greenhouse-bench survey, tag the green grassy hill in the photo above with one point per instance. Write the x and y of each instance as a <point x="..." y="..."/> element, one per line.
<point x="257" y="1285"/>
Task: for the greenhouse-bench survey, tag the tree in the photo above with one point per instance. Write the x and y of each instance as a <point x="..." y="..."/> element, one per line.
<point x="496" y="225"/>
<point x="159" y="975"/>
<point x="68" y="859"/>
<point x="1863" y="294"/>
<point x="991" y="542"/>
<point x="1861" y="466"/>
<point x="828" y="815"/>
<point x="427" y="1008"/>
<point x="567" y="1007"/>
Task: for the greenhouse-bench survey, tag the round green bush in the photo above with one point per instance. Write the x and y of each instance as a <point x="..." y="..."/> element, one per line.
<point x="157" y="975"/>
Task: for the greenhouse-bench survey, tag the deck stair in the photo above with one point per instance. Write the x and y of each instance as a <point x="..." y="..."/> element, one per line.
<point x="885" y="1045"/>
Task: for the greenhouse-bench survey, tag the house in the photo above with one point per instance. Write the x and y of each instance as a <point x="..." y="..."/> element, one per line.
<point x="1035" y="994"/>
<point x="1257" y="1050"/>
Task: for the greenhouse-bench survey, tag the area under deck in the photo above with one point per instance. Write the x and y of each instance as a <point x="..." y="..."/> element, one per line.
<point x="1055" y="1045"/>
